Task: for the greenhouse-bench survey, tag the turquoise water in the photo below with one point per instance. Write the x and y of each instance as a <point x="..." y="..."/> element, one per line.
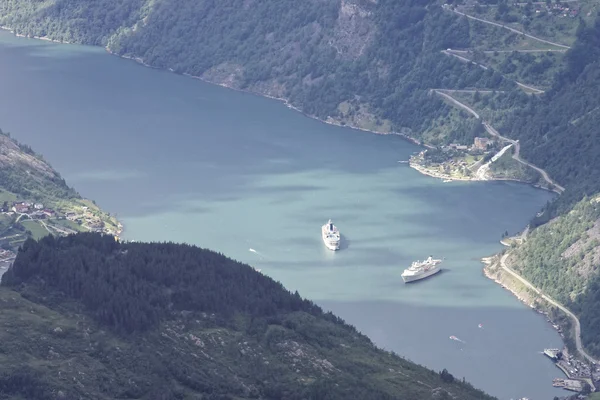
<point x="180" y="160"/>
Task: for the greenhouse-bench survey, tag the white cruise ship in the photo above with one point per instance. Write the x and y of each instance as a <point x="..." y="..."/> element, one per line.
<point x="421" y="270"/>
<point x="331" y="236"/>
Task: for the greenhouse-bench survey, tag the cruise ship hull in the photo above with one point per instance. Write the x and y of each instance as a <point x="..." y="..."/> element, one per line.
<point x="427" y="274"/>
<point x="331" y="236"/>
<point x="331" y="246"/>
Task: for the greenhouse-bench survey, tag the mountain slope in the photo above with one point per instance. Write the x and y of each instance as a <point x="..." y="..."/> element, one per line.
<point x="361" y="62"/>
<point x="368" y="64"/>
<point x="562" y="258"/>
<point x="35" y="200"/>
<point x="26" y="174"/>
<point x="87" y="317"/>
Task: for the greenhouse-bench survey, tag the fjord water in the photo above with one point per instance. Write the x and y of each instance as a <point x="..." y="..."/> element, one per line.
<point x="181" y="160"/>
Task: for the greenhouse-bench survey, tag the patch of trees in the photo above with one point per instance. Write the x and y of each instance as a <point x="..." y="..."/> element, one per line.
<point x="24" y="382"/>
<point x="587" y="307"/>
<point x="28" y="184"/>
<point x="132" y="287"/>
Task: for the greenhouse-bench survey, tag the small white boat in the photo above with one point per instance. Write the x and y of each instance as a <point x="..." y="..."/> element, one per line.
<point x="331" y="236"/>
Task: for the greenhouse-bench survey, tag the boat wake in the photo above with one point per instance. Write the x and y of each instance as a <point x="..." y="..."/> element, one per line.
<point x="258" y="253"/>
<point x="457" y="339"/>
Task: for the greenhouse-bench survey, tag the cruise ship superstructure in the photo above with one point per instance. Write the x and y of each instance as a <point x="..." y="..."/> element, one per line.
<point x="421" y="270"/>
<point x="331" y="236"/>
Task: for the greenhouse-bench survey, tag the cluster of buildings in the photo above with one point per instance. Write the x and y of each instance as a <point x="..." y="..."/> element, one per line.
<point x="92" y="222"/>
<point x="559" y="10"/>
<point x="38" y="211"/>
<point x="7" y="257"/>
<point x="479" y="144"/>
<point x="577" y="371"/>
<point x="568" y="9"/>
<point x="33" y="210"/>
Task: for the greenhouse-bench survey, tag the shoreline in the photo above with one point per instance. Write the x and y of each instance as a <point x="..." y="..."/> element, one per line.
<point x="441" y="175"/>
<point x="44" y="38"/>
<point x="495" y="276"/>
<point x="531" y="297"/>
<point x="332" y="121"/>
<point x="329" y="121"/>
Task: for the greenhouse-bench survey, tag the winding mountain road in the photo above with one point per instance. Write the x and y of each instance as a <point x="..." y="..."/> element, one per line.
<point x="467" y="60"/>
<point x="469" y="91"/>
<point x="516" y="155"/>
<point x="556" y="304"/>
<point x="510" y="51"/>
<point x="534" y="90"/>
<point x="464" y="59"/>
<point x="483" y="170"/>
<point x="508" y="27"/>
<point x="457" y="103"/>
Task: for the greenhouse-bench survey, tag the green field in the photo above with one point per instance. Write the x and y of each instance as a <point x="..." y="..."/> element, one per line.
<point x="68" y="224"/>
<point x="36" y="229"/>
<point x="7" y="196"/>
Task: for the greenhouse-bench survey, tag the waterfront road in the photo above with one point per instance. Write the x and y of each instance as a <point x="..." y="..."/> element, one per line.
<point x="578" y="344"/>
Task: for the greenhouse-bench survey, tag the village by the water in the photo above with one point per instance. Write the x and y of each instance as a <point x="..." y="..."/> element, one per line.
<point x="23" y="219"/>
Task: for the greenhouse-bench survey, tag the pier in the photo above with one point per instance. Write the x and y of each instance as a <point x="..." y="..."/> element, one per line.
<point x="577" y="372"/>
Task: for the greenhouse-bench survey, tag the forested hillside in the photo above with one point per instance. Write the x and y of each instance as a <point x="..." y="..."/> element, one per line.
<point x="559" y="131"/>
<point x="562" y="258"/>
<point x="87" y="317"/>
<point x="369" y="64"/>
<point x="365" y="63"/>
<point x="25" y="173"/>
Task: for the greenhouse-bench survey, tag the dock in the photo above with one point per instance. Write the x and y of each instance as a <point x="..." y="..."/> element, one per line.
<point x="568" y="384"/>
<point x="553" y="354"/>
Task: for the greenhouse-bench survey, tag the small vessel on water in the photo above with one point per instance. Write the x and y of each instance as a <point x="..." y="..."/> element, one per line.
<point x="553" y="354"/>
<point x="421" y="270"/>
<point x="331" y="236"/>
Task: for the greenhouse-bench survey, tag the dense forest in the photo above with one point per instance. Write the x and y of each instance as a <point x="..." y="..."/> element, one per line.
<point x="166" y="321"/>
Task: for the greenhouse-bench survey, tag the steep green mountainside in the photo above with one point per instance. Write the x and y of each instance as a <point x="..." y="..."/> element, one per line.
<point x="559" y="132"/>
<point x="369" y="64"/>
<point x="85" y="316"/>
<point x="36" y="201"/>
<point x="562" y="258"/>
